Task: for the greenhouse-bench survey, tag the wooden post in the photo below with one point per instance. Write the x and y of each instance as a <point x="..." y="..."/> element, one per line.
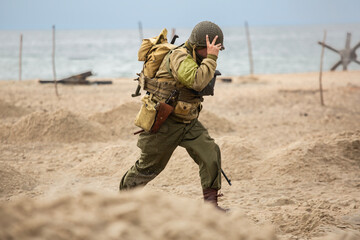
<point x="20" y="56"/>
<point x="53" y="60"/>
<point x="141" y="34"/>
<point x="249" y="48"/>
<point x="320" y="75"/>
<point x="173" y="31"/>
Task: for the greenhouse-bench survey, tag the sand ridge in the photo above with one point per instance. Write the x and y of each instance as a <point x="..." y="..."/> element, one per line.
<point x="135" y="215"/>
<point x="117" y="119"/>
<point x="13" y="182"/>
<point x="8" y="110"/>
<point x="58" y="126"/>
<point x="323" y="158"/>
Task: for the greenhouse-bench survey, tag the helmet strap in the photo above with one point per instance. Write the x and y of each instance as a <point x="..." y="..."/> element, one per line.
<point x="194" y="53"/>
<point x="191" y="47"/>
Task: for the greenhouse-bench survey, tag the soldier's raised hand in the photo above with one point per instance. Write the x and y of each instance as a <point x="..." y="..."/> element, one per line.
<point x="213" y="48"/>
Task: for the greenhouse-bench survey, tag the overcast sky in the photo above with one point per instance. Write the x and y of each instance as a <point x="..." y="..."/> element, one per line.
<point x="119" y="14"/>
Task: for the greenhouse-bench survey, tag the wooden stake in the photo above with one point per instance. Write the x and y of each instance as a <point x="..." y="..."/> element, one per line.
<point x="141" y="32"/>
<point x="249" y="48"/>
<point x="173" y="31"/>
<point x="320" y="75"/>
<point x="20" y="56"/>
<point x="53" y="61"/>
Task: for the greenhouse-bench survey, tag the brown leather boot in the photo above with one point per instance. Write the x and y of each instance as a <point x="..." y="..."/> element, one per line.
<point x="211" y="196"/>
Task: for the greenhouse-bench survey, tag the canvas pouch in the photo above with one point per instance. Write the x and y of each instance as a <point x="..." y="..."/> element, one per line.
<point x="146" y="116"/>
<point x="182" y="108"/>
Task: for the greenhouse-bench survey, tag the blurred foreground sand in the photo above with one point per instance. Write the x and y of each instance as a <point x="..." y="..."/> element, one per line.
<point x="294" y="165"/>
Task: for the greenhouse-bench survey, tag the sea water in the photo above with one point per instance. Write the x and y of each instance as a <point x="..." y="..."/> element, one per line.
<point x="113" y="53"/>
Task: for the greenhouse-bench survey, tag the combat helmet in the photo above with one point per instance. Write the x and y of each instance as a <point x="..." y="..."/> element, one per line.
<point x="198" y="34"/>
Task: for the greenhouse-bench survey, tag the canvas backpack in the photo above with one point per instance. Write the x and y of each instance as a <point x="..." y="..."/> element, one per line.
<point x="152" y="51"/>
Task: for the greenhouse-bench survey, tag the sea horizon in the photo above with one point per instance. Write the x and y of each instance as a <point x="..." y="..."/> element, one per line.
<point x="112" y="53"/>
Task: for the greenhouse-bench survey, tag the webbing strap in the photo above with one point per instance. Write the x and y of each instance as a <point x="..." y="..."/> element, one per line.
<point x="168" y="59"/>
<point x="161" y="89"/>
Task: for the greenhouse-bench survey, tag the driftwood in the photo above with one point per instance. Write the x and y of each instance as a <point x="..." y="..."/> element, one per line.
<point x="79" y="79"/>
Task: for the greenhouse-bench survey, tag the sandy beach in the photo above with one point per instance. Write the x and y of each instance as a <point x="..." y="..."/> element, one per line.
<point x="294" y="164"/>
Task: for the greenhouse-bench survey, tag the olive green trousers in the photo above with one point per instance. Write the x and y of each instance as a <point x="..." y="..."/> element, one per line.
<point x="156" y="150"/>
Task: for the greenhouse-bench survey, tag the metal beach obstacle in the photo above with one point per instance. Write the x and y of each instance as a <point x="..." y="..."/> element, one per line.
<point x="347" y="55"/>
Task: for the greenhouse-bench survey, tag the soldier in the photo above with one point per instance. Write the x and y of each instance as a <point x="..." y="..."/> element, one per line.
<point x="189" y="69"/>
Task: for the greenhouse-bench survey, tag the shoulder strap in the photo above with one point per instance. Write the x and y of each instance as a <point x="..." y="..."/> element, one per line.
<point x="168" y="59"/>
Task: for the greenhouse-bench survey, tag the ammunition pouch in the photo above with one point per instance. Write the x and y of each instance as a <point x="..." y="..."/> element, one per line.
<point x="152" y="114"/>
<point x="187" y="111"/>
<point x="146" y="116"/>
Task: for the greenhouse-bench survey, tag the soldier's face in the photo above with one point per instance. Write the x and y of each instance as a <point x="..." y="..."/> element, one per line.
<point x="202" y="52"/>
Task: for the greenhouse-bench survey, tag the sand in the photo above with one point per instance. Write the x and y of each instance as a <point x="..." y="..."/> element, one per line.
<point x="294" y="164"/>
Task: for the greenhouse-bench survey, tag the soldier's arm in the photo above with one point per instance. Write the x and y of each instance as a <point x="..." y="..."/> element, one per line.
<point x="186" y="71"/>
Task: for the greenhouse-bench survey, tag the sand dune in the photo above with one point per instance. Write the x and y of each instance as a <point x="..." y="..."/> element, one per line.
<point x="14" y="182"/>
<point x="8" y="110"/>
<point x="134" y="215"/>
<point x="321" y="159"/>
<point x="117" y="119"/>
<point x="215" y="124"/>
<point x="59" y="126"/>
<point x="108" y="162"/>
